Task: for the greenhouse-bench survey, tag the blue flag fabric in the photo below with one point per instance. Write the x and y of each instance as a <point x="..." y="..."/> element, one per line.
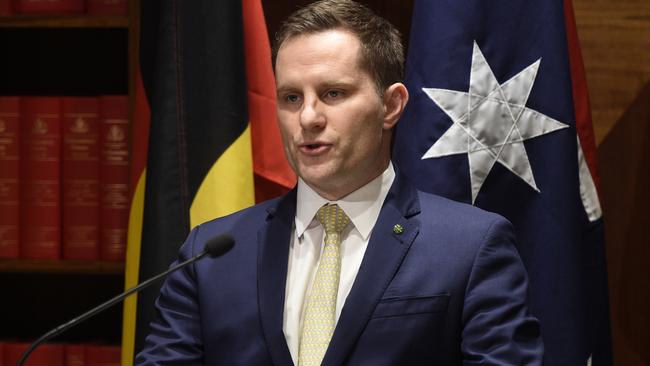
<point x="491" y="122"/>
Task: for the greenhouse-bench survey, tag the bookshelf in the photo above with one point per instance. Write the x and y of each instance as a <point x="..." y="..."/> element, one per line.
<point x="64" y="55"/>
<point x="46" y="267"/>
<point x="66" y="21"/>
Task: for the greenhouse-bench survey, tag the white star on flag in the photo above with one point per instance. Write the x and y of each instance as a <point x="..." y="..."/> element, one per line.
<point x="491" y="122"/>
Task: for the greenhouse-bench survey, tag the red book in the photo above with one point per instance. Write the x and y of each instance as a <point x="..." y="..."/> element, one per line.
<point x="44" y="355"/>
<point x="9" y="176"/>
<point x="40" y="168"/>
<point x="2" y="353"/>
<point x="107" y="7"/>
<point x="81" y="178"/>
<point x="48" y="6"/>
<point x="75" y="355"/>
<point x="114" y="176"/>
<point x="5" y="8"/>
<point x="103" y="355"/>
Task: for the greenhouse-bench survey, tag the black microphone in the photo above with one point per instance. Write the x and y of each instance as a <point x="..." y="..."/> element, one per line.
<point x="215" y="247"/>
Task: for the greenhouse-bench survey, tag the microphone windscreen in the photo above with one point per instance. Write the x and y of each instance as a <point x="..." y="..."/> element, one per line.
<point x="219" y="245"/>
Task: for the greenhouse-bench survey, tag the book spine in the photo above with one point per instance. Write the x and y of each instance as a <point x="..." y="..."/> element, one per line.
<point x="9" y="176"/>
<point x="75" y="355"/>
<point x="5" y="8"/>
<point x="40" y="165"/>
<point x="48" y="6"/>
<point x="45" y="355"/>
<point x="103" y="355"/>
<point x="114" y="177"/>
<point x="107" y="7"/>
<point x="80" y="178"/>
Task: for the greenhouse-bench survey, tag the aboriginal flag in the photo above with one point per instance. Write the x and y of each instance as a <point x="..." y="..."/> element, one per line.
<point x="205" y="138"/>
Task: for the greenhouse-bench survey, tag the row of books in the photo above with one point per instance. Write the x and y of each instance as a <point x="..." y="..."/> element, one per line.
<point x="61" y="7"/>
<point x="53" y="354"/>
<point x="64" y="177"/>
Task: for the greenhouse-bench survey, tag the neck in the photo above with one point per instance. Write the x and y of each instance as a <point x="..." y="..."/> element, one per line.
<point x="336" y="193"/>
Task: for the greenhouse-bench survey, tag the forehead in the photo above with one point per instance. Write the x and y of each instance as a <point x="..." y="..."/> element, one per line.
<point x="331" y="51"/>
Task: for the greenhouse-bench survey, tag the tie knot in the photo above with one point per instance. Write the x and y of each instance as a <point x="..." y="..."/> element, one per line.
<point x="333" y="219"/>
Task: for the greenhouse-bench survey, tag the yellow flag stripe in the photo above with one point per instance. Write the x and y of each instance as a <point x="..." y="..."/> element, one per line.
<point x="228" y="185"/>
<point x="132" y="270"/>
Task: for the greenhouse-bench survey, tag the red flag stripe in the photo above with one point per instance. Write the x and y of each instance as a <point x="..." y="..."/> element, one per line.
<point x="580" y="94"/>
<point x="268" y="155"/>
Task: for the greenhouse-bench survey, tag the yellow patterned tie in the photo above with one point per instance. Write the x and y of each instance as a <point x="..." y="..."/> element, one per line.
<point x="318" y="324"/>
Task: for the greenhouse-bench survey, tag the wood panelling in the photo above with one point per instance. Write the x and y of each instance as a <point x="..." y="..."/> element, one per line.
<point x="615" y="40"/>
<point x="624" y="158"/>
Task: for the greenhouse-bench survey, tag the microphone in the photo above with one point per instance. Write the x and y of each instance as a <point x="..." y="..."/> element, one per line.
<point x="215" y="247"/>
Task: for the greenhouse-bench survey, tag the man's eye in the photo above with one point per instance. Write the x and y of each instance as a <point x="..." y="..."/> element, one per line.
<point x="334" y="94"/>
<point x="292" y="98"/>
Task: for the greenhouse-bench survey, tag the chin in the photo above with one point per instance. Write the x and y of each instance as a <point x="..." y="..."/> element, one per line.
<point x="317" y="177"/>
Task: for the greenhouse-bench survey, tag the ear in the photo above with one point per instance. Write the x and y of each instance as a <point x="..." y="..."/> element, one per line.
<point x="395" y="98"/>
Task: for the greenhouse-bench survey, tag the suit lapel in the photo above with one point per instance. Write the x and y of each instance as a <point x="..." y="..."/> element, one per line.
<point x="385" y="253"/>
<point x="273" y="254"/>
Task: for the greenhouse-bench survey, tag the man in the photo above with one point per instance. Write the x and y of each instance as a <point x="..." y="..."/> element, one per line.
<point x="354" y="266"/>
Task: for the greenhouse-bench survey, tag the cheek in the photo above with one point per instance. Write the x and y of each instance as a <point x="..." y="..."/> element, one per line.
<point x="369" y="130"/>
<point x="285" y="127"/>
<point x="363" y="143"/>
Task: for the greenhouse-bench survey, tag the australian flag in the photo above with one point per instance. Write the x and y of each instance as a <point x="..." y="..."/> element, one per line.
<point x="499" y="118"/>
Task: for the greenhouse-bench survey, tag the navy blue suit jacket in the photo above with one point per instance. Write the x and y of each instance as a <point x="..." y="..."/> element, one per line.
<point x="449" y="290"/>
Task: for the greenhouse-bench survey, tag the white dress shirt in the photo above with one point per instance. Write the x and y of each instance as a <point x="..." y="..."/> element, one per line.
<point x="362" y="207"/>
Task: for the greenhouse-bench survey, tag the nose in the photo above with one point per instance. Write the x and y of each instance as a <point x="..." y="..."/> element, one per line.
<point x="311" y="115"/>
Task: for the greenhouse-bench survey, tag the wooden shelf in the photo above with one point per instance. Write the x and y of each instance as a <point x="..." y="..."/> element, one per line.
<point x="60" y="266"/>
<point x="65" y="21"/>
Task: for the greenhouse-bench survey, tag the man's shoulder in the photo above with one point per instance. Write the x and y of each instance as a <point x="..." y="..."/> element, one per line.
<point x="255" y="213"/>
<point x="458" y="231"/>
<point x="242" y="225"/>
<point x="456" y="214"/>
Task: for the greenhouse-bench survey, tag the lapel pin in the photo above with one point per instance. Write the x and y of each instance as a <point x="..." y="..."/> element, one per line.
<point x="398" y="229"/>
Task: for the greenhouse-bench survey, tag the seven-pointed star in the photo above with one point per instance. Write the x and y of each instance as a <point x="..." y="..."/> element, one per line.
<point x="491" y="122"/>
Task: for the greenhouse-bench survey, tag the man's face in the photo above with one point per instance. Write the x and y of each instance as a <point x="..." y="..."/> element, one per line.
<point x="331" y="116"/>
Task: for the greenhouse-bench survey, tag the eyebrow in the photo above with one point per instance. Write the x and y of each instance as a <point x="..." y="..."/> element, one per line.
<point x="339" y="84"/>
<point x="325" y="85"/>
<point x="285" y="90"/>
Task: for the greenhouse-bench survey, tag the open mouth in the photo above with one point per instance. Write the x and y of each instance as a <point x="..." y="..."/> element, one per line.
<point x="315" y="148"/>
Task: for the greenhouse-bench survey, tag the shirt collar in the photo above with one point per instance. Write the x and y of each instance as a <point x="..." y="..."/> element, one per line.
<point x="362" y="206"/>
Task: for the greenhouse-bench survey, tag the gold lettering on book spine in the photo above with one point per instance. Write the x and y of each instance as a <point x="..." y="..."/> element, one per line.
<point x="43" y="236"/>
<point x="42" y="193"/>
<point x="81" y="193"/>
<point x="115" y="196"/>
<point x="81" y="236"/>
<point x="43" y="143"/>
<point x="115" y="150"/>
<point x="114" y="240"/>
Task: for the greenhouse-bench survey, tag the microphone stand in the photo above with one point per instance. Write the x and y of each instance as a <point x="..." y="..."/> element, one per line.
<point x="98" y="309"/>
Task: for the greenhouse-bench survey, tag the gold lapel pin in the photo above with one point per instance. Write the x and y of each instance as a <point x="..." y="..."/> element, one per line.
<point x="398" y="229"/>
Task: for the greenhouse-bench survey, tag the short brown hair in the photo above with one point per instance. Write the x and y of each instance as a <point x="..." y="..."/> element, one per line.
<point x="382" y="50"/>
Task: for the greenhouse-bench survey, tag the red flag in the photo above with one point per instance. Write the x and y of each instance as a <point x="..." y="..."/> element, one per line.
<point x="273" y="175"/>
